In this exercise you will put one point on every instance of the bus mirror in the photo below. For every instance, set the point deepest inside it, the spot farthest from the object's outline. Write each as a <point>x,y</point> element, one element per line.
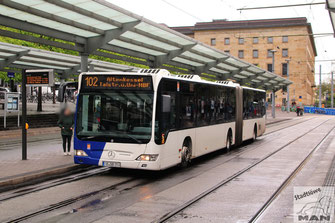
<point>166,102</point>
<point>63,87</point>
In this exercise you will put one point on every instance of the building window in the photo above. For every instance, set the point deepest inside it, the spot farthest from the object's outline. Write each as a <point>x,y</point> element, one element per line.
<point>227,51</point>
<point>285,52</point>
<point>240,41</point>
<point>226,41</point>
<point>270,39</point>
<point>270,67</point>
<point>255,40</point>
<point>213,42</point>
<point>285,39</point>
<point>269,54</point>
<point>255,53</point>
<point>284,69</point>
<point>240,54</point>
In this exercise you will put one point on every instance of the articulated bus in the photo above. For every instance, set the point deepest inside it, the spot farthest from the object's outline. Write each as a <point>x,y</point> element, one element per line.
<point>154,120</point>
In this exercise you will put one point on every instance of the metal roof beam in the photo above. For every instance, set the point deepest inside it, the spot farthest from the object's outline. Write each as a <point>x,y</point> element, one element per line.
<point>30,27</point>
<point>97,42</point>
<point>10,59</point>
<point>49,16</point>
<point>72,70</point>
<point>208,66</point>
<point>160,60</point>
<point>145,45</point>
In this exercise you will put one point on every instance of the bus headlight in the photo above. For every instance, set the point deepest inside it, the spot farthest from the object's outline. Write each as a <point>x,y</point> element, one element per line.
<point>147,157</point>
<point>80,153</point>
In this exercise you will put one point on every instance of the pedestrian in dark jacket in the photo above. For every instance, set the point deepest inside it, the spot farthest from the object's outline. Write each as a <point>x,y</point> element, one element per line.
<point>66,123</point>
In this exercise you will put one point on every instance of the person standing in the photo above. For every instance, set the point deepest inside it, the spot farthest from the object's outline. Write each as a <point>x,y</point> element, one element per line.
<point>66,123</point>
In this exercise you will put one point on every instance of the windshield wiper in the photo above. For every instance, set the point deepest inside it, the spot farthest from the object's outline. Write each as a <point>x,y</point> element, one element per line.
<point>132,137</point>
<point>91,137</point>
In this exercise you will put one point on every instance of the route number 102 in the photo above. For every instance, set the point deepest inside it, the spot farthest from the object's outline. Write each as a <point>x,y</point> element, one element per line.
<point>91,81</point>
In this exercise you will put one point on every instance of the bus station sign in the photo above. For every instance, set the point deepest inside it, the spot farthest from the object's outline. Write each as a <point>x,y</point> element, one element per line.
<point>40,78</point>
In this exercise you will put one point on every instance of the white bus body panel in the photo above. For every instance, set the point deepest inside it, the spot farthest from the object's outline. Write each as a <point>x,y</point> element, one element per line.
<point>248,127</point>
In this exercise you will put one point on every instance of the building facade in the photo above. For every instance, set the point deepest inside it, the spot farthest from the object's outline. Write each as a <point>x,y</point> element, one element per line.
<point>254,41</point>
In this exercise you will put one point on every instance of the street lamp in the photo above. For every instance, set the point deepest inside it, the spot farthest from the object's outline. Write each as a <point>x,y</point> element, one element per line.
<point>288,86</point>
<point>273,91</point>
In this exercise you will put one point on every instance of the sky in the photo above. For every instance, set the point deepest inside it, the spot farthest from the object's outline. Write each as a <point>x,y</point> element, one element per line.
<point>188,12</point>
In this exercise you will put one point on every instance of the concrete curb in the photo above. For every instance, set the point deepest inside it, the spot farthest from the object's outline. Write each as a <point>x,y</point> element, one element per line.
<point>31,178</point>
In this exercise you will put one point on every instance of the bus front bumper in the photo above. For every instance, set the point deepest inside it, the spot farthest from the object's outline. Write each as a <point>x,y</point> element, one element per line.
<point>145,165</point>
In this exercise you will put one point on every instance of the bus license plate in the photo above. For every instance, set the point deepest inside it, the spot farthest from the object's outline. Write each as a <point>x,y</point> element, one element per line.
<point>111,164</point>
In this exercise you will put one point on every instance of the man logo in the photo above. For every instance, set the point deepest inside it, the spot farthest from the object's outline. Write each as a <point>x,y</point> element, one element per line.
<point>314,204</point>
<point>111,154</point>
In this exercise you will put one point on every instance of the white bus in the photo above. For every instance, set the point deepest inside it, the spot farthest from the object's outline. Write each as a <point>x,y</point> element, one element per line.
<point>154,120</point>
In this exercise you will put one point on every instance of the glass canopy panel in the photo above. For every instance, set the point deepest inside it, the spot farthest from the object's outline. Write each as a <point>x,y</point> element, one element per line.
<point>239,76</point>
<point>273,82</point>
<point>236,62</point>
<point>226,66</point>
<point>331,3</point>
<point>102,10</point>
<point>219,70</point>
<point>39,65</point>
<point>267,74</point>
<point>163,33</point>
<point>185,61</point>
<point>255,69</point>
<point>197,57</point>
<point>134,47</point>
<point>267,84</point>
<point>109,65</point>
<point>3,54</point>
<point>54,56</point>
<point>262,78</point>
<point>10,49</point>
<point>256,81</point>
<point>147,40</point>
<point>206,50</point>
<point>246,73</point>
<point>39,60</point>
<point>26,17</point>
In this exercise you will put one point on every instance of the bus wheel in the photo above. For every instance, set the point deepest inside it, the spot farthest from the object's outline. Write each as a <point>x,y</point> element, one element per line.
<point>186,154</point>
<point>229,141</point>
<point>254,135</point>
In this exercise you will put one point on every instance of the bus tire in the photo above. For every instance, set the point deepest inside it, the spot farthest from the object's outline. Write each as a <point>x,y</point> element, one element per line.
<point>254,134</point>
<point>186,153</point>
<point>229,141</point>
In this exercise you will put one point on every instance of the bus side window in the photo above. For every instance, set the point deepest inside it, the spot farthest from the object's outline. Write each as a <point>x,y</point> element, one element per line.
<point>187,119</point>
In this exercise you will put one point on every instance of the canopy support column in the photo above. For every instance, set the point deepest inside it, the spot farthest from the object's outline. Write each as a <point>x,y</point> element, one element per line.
<point>273,104</point>
<point>83,62</point>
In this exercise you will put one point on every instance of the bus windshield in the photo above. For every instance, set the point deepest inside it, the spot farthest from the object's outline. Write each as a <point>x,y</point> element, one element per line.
<point>115,116</point>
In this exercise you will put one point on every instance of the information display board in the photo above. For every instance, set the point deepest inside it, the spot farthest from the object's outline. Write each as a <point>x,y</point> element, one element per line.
<point>40,78</point>
<point>12,105</point>
<point>12,102</point>
<point>116,82</point>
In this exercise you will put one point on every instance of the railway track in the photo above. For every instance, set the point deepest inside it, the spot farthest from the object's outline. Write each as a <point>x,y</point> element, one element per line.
<point>51,183</point>
<point>94,172</point>
<point>187,204</point>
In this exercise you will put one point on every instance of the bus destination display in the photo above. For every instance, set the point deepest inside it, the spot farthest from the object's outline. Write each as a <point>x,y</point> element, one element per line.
<point>37,78</point>
<point>126,82</point>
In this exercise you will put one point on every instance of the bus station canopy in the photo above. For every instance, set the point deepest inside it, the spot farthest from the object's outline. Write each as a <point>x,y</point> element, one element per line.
<point>20,57</point>
<point>330,5</point>
<point>100,28</point>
